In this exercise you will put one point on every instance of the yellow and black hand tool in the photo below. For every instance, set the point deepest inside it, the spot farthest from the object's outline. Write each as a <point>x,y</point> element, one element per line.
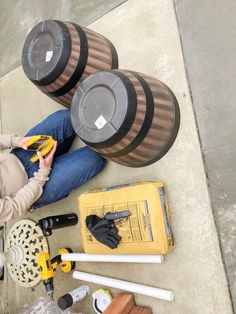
<point>46,272</point>
<point>41,143</point>
<point>48,266</point>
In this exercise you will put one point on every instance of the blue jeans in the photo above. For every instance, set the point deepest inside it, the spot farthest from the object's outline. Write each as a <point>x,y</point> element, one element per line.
<point>69,170</point>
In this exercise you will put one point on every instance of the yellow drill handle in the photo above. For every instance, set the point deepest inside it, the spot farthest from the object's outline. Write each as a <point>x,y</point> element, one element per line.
<point>45,267</point>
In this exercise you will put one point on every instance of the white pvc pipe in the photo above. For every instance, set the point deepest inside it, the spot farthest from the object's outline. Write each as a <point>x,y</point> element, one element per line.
<point>81,257</point>
<point>125,285</point>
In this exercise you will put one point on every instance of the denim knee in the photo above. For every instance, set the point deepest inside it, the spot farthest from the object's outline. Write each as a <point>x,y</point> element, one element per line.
<point>63,114</point>
<point>95,158</point>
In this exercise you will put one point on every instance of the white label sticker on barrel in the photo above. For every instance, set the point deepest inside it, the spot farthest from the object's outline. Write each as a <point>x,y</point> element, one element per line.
<point>49,55</point>
<point>100,122</point>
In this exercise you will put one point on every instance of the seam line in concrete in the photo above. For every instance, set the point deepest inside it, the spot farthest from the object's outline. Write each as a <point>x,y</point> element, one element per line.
<point>201,146</point>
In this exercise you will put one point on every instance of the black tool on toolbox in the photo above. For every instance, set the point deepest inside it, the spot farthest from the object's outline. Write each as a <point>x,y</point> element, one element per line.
<point>119,216</point>
<point>57,222</point>
<point>104,229</point>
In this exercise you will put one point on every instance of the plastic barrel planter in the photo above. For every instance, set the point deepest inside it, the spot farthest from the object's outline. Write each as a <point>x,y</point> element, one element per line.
<point>57,56</point>
<point>128,117</point>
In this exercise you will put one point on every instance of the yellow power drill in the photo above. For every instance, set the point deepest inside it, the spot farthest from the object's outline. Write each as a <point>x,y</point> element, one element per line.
<point>48,267</point>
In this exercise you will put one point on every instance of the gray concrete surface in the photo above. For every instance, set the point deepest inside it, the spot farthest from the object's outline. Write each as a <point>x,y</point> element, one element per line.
<point>147,39</point>
<point>18,17</point>
<point>208,32</point>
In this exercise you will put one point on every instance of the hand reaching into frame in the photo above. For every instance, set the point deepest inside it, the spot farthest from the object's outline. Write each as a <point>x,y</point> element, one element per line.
<point>21,143</point>
<point>47,160</point>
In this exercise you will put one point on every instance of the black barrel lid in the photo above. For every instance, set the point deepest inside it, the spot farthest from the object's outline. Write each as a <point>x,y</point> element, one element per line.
<point>46,51</point>
<point>104,108</point>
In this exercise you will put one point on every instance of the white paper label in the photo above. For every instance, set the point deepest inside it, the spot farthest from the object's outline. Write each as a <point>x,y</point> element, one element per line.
<point>49,55</point>
<point>100,122</point>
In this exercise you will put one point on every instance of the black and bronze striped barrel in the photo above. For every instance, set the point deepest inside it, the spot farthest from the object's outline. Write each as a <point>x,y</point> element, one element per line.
<point>57,56</point>
<point>128,117</point>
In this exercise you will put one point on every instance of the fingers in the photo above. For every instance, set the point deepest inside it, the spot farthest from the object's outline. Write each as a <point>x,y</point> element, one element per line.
<point>110,244</point>
<point>115,235</point>
<point>113,230</point>
<point>52,151</point>
<point>40,156</point>
<point>103,223</point>
<point>41,160</point>
<point>112,241</point>
<point>91,221</point>
<point>27,138</point>
<point>54,147</point>
<point>24,147</point>
<point>24,140</point>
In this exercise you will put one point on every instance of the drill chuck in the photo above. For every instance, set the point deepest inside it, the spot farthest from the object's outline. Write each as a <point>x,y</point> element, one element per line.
<point>49,286</point>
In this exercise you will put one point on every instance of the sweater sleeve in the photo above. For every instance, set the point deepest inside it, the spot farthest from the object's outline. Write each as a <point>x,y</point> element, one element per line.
<point>8,141</point>
<point>14,206</point>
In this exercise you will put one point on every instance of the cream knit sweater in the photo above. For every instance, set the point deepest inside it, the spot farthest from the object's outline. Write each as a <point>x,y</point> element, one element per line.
<point>17,193</point>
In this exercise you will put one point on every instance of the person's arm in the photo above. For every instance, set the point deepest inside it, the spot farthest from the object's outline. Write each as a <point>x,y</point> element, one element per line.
<point>14,206</point>
<point>8,141</point>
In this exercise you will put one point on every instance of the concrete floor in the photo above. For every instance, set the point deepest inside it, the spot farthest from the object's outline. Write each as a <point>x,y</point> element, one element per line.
<point>18,17</point>
<point>208,36</point>
<point>147,39</point>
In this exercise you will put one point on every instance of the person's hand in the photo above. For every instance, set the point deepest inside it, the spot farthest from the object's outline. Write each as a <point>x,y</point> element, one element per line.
<point>46,161</point>
<point>23,141</point>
